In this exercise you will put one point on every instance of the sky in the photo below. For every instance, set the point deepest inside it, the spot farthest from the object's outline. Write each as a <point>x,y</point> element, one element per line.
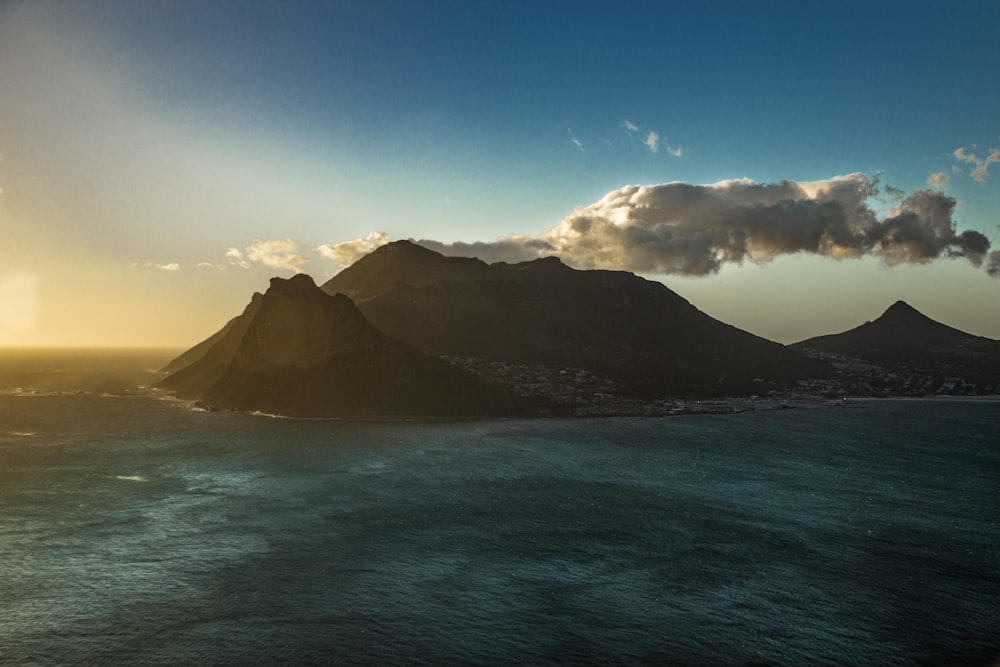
<point>790,168</point>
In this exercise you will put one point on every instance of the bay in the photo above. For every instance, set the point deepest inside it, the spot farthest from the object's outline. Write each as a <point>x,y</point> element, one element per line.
<point>135,529</point>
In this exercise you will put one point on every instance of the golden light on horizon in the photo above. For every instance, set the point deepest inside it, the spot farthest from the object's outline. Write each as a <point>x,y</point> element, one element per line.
<point>19,303</point>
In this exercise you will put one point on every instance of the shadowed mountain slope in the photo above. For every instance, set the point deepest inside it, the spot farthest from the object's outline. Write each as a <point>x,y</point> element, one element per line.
<point>917,354</point>
<point>901,332</point>
<point>298,351</point>
<point>543,312</point>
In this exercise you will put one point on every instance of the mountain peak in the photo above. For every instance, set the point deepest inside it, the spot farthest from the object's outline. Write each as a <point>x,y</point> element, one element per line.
<point>900,328</point>
<point>299,351</point>
<point>300,282</point>
<point>900,307</point>
<point>403,247</point>
<point>402,262</point>
<point>902,314</point>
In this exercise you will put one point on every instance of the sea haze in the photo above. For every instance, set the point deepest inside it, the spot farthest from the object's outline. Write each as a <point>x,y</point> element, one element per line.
<point>136,529</point>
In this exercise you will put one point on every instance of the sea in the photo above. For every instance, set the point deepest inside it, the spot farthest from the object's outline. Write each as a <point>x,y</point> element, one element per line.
<point>137,529</point>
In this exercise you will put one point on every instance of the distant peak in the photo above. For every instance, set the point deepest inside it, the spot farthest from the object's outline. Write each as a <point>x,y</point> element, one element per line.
<point>403,246</point>
<point>901,309</point>
<point>901,305</point>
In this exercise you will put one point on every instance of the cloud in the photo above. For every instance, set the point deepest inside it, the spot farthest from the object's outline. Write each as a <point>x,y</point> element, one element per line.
<point>652,139</point>
<point>236,258</point>
<point>938,180</point>
<point>348,252</point>
<point>574,139</point>
<point>652,142</point>
<point>695,229</point>
<point>978,173</point>
<point>993,264</point>
<point>677,228</point>
<point>168,266</point>
<point>276,253</point>
<point>508,249</point>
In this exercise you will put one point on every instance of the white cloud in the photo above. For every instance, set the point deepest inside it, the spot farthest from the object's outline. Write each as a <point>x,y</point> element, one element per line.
<point>652,141</point>
<point>938,180</point>
<point>167,266</point>
<point>346,253</point>
<point>982,165</point>
<point>236,258</point>
<point>277,253</point>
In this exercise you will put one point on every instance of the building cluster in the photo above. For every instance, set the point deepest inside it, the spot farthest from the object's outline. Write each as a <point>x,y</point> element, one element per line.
<point>578,392</point>
<point>859,378</point>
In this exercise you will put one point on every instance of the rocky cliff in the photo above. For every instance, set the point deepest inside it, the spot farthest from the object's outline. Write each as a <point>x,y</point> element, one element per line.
<point>296,350</point>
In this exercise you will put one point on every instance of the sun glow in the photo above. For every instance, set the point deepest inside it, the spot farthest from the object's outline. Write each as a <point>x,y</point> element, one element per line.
<point>18,302</point>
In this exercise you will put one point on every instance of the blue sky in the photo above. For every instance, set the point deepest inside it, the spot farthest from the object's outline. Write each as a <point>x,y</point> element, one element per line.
<point>170,156</point>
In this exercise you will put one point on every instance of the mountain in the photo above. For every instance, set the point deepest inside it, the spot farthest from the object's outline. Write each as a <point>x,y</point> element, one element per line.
<point>906,352</point>
<point>548,322</point>
<point>296,350</point>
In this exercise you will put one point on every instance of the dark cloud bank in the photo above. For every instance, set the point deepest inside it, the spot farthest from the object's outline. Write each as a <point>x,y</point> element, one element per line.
<point>676,228</point>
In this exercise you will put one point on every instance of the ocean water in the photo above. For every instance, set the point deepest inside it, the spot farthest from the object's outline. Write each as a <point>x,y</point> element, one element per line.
<point>137,530</point>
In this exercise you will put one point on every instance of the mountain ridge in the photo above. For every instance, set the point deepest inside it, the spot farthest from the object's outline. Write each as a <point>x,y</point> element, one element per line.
<point>543,313</point>
<point>408,331</point>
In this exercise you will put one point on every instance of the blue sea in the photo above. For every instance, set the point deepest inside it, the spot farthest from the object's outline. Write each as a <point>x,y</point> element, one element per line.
<point>136,529</point>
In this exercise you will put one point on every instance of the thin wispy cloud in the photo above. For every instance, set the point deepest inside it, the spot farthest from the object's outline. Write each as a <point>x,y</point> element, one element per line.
<point>166,266</point>
<point>236,258</point>
<point>652,142</point>
<point>651,139</point>
<point>574,140</point>
<point>275,253</point>
<point>981,165</point>
<point>938,180</point>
